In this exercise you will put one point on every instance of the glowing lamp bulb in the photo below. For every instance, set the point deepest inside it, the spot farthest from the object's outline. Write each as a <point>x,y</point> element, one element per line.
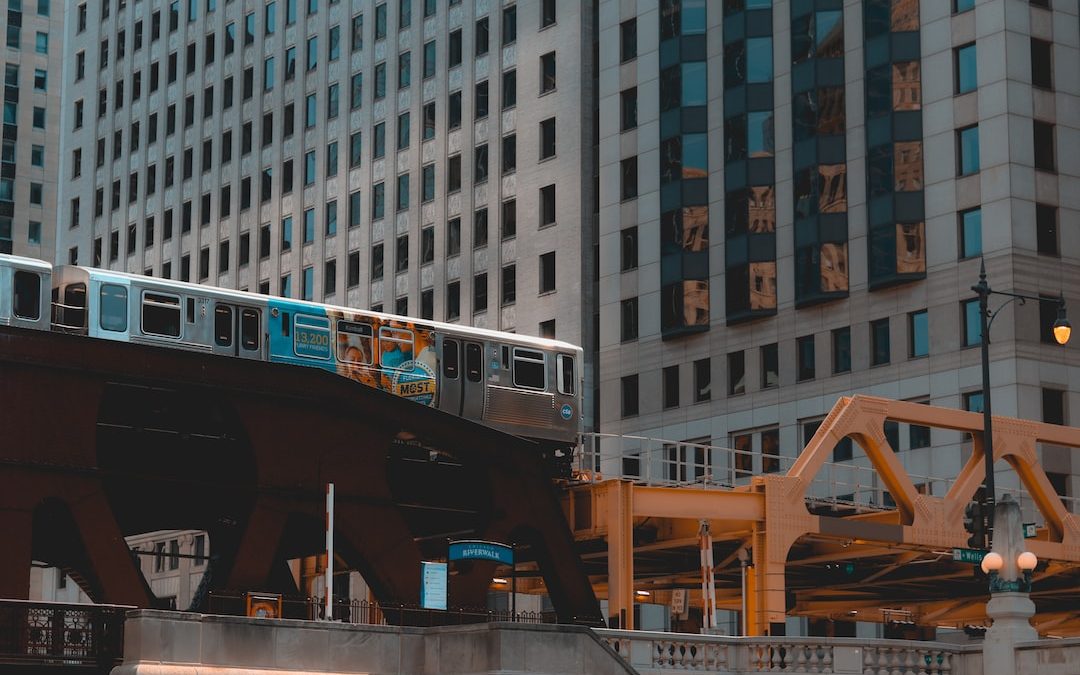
<point>1027,561</point>
<point>1062,331</point>
<point>992,562</point>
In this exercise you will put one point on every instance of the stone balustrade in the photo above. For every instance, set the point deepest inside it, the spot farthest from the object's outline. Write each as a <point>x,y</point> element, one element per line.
<point>649,652</point>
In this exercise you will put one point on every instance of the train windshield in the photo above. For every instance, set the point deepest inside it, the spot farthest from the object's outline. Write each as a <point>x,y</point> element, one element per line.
<point>27,296</point>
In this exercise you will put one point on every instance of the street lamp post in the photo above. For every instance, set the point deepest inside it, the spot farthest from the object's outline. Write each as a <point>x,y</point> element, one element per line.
<point>1062,331</point>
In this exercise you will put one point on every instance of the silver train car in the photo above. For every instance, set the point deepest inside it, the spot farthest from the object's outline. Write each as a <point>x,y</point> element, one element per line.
<point>526,386</point>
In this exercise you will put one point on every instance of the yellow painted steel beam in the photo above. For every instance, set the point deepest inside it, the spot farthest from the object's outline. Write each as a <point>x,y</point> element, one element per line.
<point>683,503</point>
<point>618,503</point>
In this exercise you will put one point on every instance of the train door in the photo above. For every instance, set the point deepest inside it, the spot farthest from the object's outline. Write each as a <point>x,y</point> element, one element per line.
<point>237,330</point>
<point>472,388</point>
<point>28,304</point>
<point>450,378</point>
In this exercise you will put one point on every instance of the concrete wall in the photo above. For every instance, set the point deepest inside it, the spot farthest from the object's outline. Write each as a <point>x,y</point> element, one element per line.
<point>1049,657</point>
<point>172,643</point>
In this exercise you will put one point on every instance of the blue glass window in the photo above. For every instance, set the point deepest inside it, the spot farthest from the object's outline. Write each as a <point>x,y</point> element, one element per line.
<point>920,333</point>
<point>695,156</point>
<point>693,17</point>
<point>759,135</point>
<point>966,69</point>
<point>970,233</point>
<point>695,88</point>
<point>309,226</point>
<point>963,5</point>
<point>968,150</point>
<point>759,64</point>
<point>972,323</point>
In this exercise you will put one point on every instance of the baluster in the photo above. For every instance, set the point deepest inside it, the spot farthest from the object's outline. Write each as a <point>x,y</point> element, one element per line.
<point>895,662</point>
<point>783,658</point>
<point>826,658</point>
<point>883,661</point>
<point>910,662</point>
<point>755,658</point>
<point>946,663</point>
<point>813,664</point>
<point>869,659</point>
<point>800,658</point>
<point>658,654</point>
<point>682,652</point>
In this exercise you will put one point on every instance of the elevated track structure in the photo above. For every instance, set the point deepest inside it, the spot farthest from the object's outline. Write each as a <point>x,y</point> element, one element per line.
<point>814,552</point>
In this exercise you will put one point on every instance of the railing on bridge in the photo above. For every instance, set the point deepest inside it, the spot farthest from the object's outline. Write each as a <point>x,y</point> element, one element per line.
<point>851,485</point>
<point>375,614</point>
<point>59,634</point>
<point>650,652</point>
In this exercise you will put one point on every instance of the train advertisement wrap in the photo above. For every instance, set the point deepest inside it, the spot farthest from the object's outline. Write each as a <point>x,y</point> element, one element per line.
<point>407,362</point>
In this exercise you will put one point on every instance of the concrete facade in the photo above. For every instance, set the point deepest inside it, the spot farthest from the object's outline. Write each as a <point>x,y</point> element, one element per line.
<point>752,410</point>
<point>34,72</point>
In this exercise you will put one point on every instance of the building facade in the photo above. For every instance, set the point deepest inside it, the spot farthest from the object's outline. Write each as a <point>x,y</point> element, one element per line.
<point>33,60</point>
<point>411,156</point>
<point>795,197</point>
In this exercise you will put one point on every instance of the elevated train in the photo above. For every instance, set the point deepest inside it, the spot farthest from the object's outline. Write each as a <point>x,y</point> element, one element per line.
<point>527,386</point>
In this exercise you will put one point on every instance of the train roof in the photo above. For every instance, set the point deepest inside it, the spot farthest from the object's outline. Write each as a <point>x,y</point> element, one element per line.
<point>33,263</point>
<point>256,297</point>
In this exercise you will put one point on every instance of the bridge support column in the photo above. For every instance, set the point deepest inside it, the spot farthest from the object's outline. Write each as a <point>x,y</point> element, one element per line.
<point>618,499</point>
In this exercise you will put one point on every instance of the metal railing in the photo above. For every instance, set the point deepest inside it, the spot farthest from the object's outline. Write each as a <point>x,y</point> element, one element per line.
<point>53,633</point>
<point>852,485</point>
<point>362,612</point>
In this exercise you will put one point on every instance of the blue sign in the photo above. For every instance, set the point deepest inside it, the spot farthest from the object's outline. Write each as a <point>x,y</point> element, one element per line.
<point>473,549</point>
<point>433,585</point>
<point>567,411</point>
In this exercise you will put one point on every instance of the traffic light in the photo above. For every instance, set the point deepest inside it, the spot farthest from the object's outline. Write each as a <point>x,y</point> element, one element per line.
<point>975,523</point>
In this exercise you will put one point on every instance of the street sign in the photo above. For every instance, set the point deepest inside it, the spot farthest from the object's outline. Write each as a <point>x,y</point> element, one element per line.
<point>433,585</point>
<point>968,555</point>
<point>1030,530</point>
<point>475,549</point>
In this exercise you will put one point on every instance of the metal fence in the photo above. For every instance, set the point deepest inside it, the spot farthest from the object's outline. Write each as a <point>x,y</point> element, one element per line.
<point>58,634</point>
<point>852,485</point>
<point>375,614</point>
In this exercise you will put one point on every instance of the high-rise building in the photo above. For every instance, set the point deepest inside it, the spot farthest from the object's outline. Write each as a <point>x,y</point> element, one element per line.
<point>794,201</point>
<point>422,157</point>
<point>33,77</point>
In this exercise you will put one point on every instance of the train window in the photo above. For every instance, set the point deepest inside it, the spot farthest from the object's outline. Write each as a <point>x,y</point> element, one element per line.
<point>249,329</point>
<point>191,310</point>
<point>474,362</point>
<point>528,368</point>
<point>27,295</point>
<point>396,347</point>
<point>75,306</point>
<point>161,314</point>
<point>450,359</point>
<point>286,325</point>
<point>114,308</point>
<point>311,336</point>
<point>223,325</point>
<point>506,358</point>
<point>564,368</point>
<point>355,342</point>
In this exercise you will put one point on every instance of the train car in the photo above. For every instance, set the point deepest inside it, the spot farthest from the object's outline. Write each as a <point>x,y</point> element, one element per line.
<point>24,300</point>
<point>526,386</point>
<point>160,312</point>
